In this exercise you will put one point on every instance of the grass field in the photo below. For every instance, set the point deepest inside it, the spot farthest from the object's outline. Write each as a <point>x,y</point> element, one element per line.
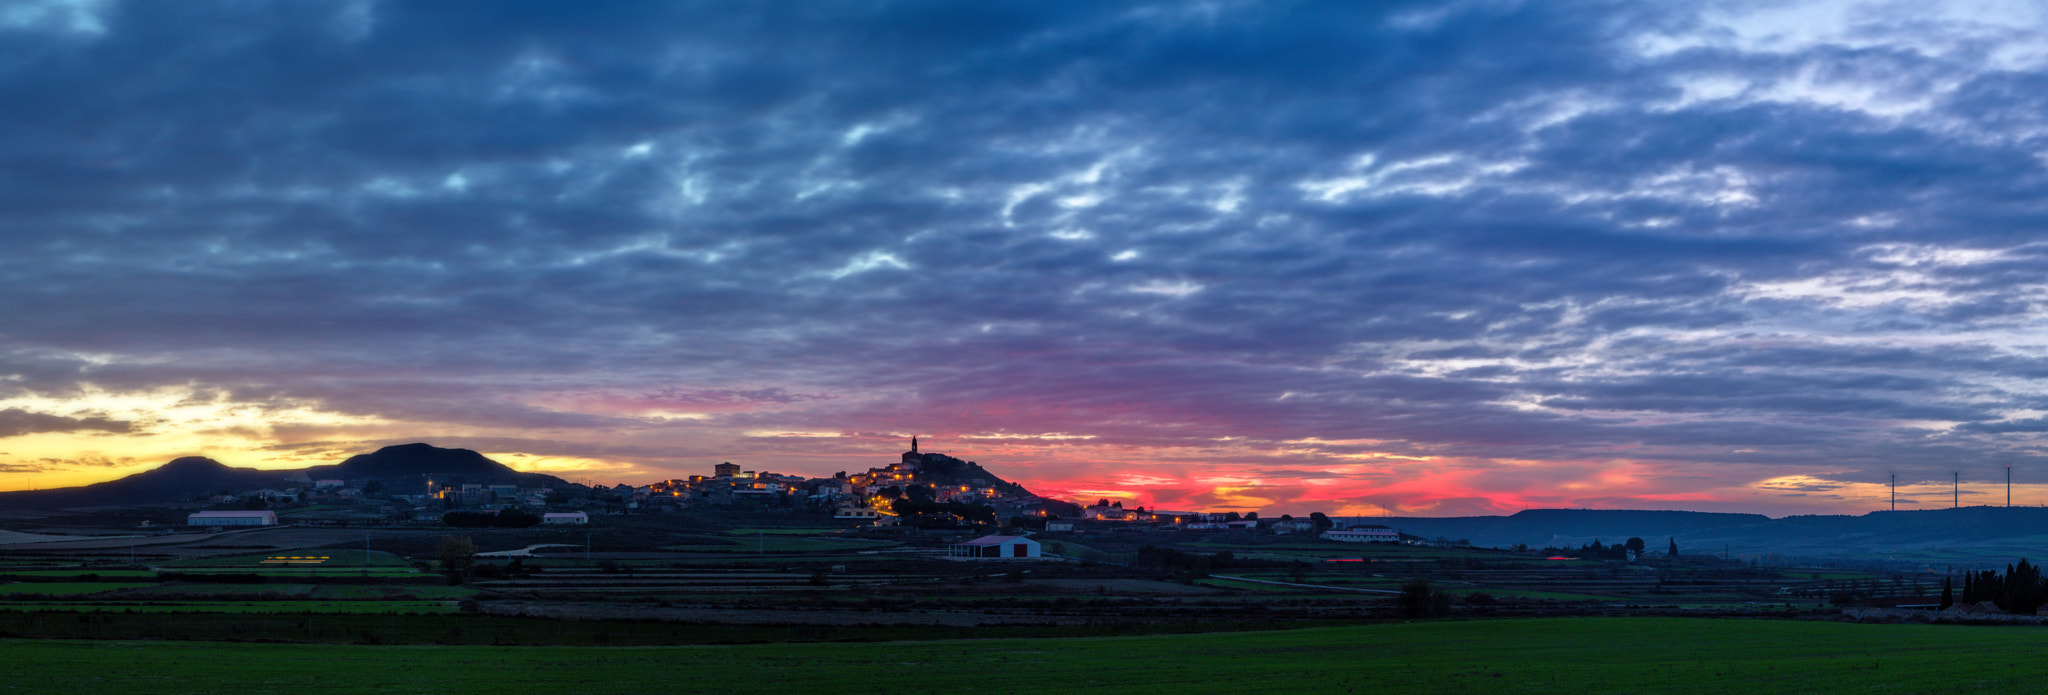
<point>267,606</point>
<point>78,573</point>
<point>57,588</point>
<point>309,559</point>
<point>1573,655</point>
<point>786,544</point>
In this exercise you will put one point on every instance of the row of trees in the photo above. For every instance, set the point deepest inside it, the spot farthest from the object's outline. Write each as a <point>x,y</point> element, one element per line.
<point>2020,589</point>
<point>1187,565</point>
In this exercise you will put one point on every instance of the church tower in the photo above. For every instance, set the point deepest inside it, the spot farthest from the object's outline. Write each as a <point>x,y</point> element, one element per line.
<point>911,458</point>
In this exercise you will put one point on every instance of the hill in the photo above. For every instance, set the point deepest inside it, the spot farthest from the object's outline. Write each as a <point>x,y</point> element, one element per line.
<point>1538,528</point>
<point>180,479</point>
<point>947,470</point>
<point>411,460</point>
<point>1965,537</point>
<point>403,468</point>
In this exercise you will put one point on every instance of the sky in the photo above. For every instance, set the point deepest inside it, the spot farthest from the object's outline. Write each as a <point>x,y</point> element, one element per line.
<point>1386,258</point>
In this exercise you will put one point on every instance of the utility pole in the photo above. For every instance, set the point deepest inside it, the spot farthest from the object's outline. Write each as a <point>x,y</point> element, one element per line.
<point>1895,492</point>
<point>1955,490</point>
<point>2008,487</point>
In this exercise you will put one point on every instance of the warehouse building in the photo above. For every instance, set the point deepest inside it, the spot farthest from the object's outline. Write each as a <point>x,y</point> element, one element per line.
<point>252,518</point>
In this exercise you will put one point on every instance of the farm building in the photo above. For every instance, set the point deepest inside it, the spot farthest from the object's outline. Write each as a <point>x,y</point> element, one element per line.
<point>1365,534</point>
<point>565,518</point>
<point>252,518</point>
<point>995,546</point>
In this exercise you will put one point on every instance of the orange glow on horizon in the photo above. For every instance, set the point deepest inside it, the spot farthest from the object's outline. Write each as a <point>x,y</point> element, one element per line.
<point>1223,475</point>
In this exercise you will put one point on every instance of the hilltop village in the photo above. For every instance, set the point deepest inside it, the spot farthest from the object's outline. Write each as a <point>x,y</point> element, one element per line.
<point>919,490</point>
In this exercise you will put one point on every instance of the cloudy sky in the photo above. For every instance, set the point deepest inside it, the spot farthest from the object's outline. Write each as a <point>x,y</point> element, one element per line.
<point>1435,258</point>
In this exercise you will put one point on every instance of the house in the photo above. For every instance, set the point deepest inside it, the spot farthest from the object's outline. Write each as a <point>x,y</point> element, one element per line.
<point>851,512</point>
<point>565,518</point>
<point>232,518</point>
<point>995,547</point>
<point>1364,534</point>
<point>1058,526</point>
<point>1291,526</point>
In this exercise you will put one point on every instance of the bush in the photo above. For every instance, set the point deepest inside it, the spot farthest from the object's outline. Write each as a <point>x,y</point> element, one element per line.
<point>1419,599</point>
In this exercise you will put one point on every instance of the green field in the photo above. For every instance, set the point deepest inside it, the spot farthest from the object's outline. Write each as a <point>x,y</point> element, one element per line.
<point>785,544</point>
<point>78,573</point>
<point>266,606</point>
<point>813,531</point>
<point>332,560</point>
<point>59,588</point>
<point>1567,655</point>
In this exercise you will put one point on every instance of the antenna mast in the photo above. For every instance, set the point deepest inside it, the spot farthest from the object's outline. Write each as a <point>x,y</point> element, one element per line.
<point>1955,489</point>
<point>1895,492</point>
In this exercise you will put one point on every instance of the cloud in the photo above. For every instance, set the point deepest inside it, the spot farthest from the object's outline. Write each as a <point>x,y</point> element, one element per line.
<point>1727,242</point>
<point>15,422</point>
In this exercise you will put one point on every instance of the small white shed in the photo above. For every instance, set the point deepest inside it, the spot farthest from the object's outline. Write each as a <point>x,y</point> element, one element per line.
<point>565,518</point>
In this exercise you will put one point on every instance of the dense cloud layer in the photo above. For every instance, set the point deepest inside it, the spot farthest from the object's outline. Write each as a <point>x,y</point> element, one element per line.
<point>1442,257</point>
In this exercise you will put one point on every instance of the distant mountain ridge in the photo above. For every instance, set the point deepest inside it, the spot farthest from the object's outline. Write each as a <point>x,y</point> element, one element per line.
<point>194,476</point>
<point>180,479</point>
<point>1964,537</point>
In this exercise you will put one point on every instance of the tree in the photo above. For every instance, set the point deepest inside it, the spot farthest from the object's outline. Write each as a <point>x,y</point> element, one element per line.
<point>1419,599</point>
<point>1251,516</point>
<point>2022,588</point>
<point>1673,552</point>
<point>1948,592</point>
<point>373,487</point>
<point>920,494</point>
<point>458,554</point>
<point>1323,523</point>
<point>1636,546</point>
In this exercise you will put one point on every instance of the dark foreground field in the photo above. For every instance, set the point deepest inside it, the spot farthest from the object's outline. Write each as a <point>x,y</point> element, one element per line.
<point>1568,655</point>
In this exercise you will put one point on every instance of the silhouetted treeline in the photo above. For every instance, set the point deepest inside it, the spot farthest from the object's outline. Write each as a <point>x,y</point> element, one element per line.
<point>1596,549</point>
<point>503,518</point>
<point>2018,590</point>
<point>1190,565</point>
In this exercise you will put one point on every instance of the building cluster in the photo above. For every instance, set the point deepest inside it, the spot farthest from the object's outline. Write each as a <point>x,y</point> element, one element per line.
<point>367,500</point>
<point>1112,515</point>
<point>922,489</point>
<point>872,495</point>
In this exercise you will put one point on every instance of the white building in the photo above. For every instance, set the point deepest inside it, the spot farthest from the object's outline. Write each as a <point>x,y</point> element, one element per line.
<point>235,518</point>
<point>995,547</point>
<point>565,518</point>
<point>1364,534</point>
